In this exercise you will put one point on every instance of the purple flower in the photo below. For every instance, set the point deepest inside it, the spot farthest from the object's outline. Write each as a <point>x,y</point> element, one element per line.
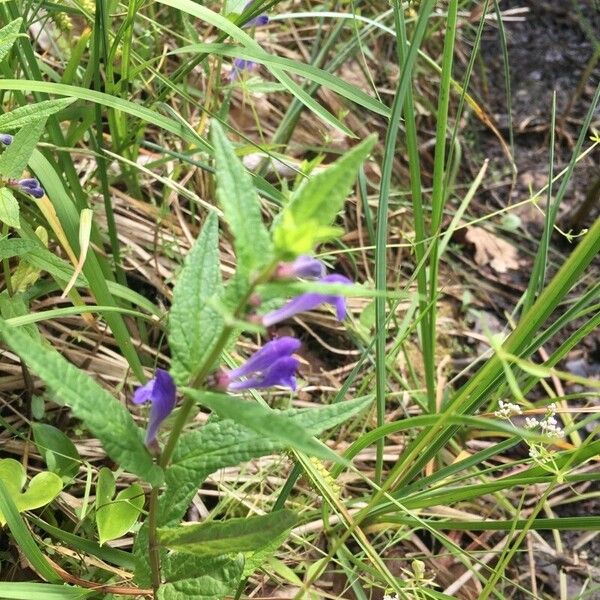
<point>309,301</point>
<point>272,365</point>
<point>257,21</point>
<point>6,139</point>
<point>241,65</point>
<point>30,186</point>
<point>162,393</point>
<point>305,267</point>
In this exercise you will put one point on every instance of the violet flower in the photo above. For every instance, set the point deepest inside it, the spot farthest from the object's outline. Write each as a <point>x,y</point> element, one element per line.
<point>272,365</point>
<point>309,301</point>
<point>241,65</point>
<point>162,393</point>
<point>305,267</point>
<point>257,21</point>
<point>6,139</point>
<point>30,186</point>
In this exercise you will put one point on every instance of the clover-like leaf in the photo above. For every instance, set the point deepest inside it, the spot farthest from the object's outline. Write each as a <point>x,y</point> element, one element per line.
<point>114,518</point>
<point>42,489</point>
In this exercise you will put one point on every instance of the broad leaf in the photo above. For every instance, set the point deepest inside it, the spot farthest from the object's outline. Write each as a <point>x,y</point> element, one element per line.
<point>25,115</point>
<point>225,443</point>
<point>15,247</point>
<point>58,451</point>
<point>120,436</point>
<point>314,205</point>
<point>190,576</point>
<point>264,421</point>
<point>194,323</point>
<point>14,159</point>
<point>42,489</point>
<point>114,518</point>
<point>233,535</point>
<point>8,35</point>
<point>9,209</point>
<point>239,201</point>
<point>15,306</point>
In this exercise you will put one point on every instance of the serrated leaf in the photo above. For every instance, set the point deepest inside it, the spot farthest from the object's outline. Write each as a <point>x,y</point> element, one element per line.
<point>224,443</point>
<point>193,322</point>
<point>58,451</point>
<point>15,247</point>
<point>8,36</point>
<point>15,306</point>
<point>238,199</point>
<point>316,202</point>
<point>264,421</point>
<point>114,518</point>
<point>9,209</point>
<point>219,577</point>
<point>105,417</point>
<point>42,489</point>
<point>24,115</point>
<point>14,159</point>
<point>232,535</point>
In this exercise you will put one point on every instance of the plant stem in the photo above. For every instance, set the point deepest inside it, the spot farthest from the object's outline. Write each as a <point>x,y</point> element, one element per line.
<point>182,418</point>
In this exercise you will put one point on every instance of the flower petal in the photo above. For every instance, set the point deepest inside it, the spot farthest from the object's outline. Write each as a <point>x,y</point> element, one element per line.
<point>266,356</point>
<point>282,372</point>
<point>309,301</point>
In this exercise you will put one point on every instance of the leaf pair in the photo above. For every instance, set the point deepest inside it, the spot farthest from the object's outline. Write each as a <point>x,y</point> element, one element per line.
<point>42,489</point>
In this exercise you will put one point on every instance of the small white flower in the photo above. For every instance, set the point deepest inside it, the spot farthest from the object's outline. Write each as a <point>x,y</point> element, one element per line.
<point>506,410</point>
<point>534,452</point>
<point>531,423</point>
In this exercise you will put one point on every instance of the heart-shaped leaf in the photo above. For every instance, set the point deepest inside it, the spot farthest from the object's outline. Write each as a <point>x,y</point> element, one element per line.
<point>114,518</point>
<point>42,489</point>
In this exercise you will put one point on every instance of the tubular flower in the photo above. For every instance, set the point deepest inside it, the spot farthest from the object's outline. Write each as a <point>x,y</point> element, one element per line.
<point>162,394</point>
<point>305,267</point>
<point>6,139</point>
<point>30,186</point>
<point>272,365</point>
<point>309,301</point>
<point>241,65</point>
<point>257,21</point>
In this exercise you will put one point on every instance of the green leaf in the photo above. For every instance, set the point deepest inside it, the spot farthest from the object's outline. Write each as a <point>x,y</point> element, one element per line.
<point>239,201</point>
<point>264,421</point>
<point>41,591</point>
<point>194,324</point>
<point>224,537</point>
<point>42,489</point>
<point>225,443</point>
<point>314,205</point>
<point>120,436</point>
<point>12,307</point>
<point>8,35</point>
<point>15,247</point>
<point>9,208</point>
<point>219,579</point>
<point>14,159</point>
<point>58,451</point>
<point>24,115</point>
<point>114,518</point>
<point>23,537</point>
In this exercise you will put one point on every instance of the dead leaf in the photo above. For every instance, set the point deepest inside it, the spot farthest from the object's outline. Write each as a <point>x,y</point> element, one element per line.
<point>492,250</point>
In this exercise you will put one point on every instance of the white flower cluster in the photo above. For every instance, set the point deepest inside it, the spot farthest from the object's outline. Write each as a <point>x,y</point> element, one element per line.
<point>394,597</point>
<point>506,410</point>
<point>548,424</point>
